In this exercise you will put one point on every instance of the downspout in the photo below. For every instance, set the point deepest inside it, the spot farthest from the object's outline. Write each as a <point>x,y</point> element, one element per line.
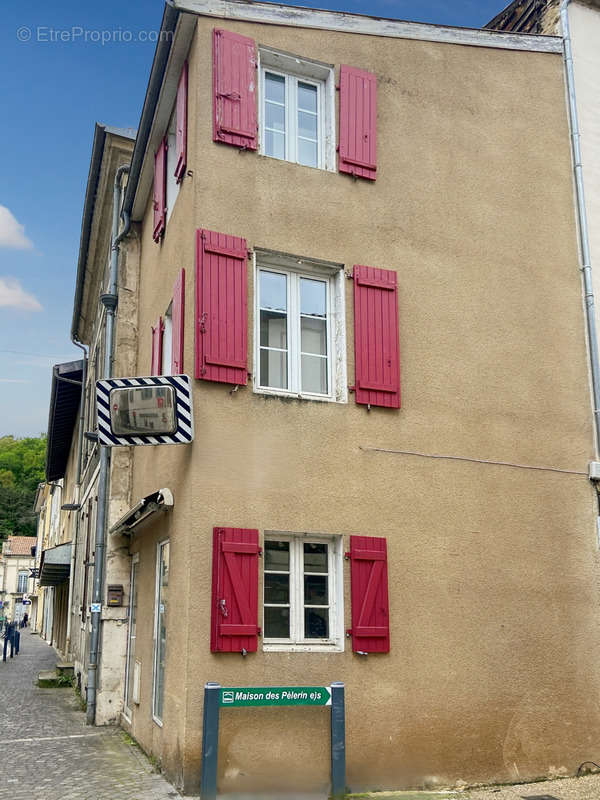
<point>584,241</point>
<point>77,489</point>
<point>109,301</point>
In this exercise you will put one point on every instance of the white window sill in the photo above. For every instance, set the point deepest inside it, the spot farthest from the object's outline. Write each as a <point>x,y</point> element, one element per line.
<point>331,169</point>
<point>302,647</point>
<point>294,395</point>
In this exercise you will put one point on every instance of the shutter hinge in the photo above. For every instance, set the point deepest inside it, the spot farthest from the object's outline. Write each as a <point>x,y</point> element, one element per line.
<point>348,555</point>
<point>351,388</point>
<point>259,631</point>
<point>260,552</point>
<point>349,275</point>
<point>250,253</point>
<point>348,633</point>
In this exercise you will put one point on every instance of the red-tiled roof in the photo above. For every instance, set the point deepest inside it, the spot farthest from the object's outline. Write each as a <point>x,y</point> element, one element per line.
<point>19,545</point>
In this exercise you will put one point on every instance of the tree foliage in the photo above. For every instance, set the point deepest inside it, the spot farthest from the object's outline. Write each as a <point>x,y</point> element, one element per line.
<point>21,469</point>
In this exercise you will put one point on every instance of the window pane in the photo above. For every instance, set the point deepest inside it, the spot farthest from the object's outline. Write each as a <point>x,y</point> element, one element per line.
<point>315,590</point>
<point>314,374</point>
<point>307,97</point>
<point>273,369</point>
<point>277,555</point>
<point>275,144</point>
<point>277,588</point>
<point>307,153</point>
<point>307,124</point>
<point>275,117</point>
<point>274,87</point>
<point>313,297</point>
<point>273,291</point>
<point>273,330</point>
<point>314,335</point>
<point>316,623</point>
<point>277,623</point>
<point>315,558</point>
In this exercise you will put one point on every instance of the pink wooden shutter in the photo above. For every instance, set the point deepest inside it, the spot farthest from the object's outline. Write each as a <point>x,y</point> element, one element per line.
<point>160,190</point>
<point>369,594</point>
<point>234,608</point>
<point>221,308</point>
<point>177,319</point>
<point>234,87</point>
<point>181,126</point>
<point>376,348</point>
<point>157,334</point>
<point>358,122</point>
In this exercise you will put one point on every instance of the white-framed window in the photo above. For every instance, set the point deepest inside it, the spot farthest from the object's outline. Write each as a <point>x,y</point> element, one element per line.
<point>297,102</point>
<point>172,185</point>
<point>160,630</point>
<point>167,341</point>
<point>303,592</point>
<point>22,581</point>
<point>300,347</point>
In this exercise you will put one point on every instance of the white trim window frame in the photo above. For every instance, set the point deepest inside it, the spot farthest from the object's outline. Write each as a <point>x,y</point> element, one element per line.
<point>157,686</point>
<point>172,189</point>
<point>286,138</point>
<point>131,637</point>
<point>295,269</point>
<point>295,573</point>
<point>167,341</point>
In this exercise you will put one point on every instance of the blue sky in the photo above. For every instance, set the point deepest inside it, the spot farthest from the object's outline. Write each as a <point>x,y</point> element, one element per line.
<point>52,94</point>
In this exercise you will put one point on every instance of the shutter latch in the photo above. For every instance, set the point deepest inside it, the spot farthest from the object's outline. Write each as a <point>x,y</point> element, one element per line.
<point>203,322</point>
<point>223,608</point>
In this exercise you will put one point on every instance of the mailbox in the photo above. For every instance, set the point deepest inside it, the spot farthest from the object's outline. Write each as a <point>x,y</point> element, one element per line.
<point>115,595</point>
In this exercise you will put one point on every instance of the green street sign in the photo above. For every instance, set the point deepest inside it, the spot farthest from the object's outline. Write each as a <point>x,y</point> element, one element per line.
<point>275,696</point>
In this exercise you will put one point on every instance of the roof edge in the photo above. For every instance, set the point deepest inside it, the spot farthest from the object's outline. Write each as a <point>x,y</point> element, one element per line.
<point>299,16</point>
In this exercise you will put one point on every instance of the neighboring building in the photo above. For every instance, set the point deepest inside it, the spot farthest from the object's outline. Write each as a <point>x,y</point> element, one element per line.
<point>543,16</point>
<point>285,276</point>
<point>16,584</point>
<point>69,553</point>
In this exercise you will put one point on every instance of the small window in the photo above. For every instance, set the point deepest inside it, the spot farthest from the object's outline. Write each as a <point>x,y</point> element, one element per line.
<point>22,581</point>
<point>302,593</point>
<point>300,336</point>
<point>296,110</point>
<point>172,185</point>
<point>167,341</point>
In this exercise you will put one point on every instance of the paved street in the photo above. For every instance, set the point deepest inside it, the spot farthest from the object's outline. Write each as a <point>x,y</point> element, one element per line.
<point>49,753</point>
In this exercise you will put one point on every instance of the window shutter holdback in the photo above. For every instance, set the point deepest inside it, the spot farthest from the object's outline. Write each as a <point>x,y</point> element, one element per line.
<point>234,606</point>
<point>157,341</point>
<point>376,345</point>
<point>221,308</point>
<point>234,90</point>
<point>369,593</point>
<point>358,122</point>
<point>181,124</point>
<point>178,319</point>
<point>160,190</point>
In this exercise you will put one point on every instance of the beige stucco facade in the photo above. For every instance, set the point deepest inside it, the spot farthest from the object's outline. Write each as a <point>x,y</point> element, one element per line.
<point>479,483</point>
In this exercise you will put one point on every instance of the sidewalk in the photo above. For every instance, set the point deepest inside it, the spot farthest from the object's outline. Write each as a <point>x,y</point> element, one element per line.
<point>47,750</point>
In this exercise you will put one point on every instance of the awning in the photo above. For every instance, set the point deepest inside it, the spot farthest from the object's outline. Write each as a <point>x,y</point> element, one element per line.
<point>64,405</point>
<point>162,500</point>
<point>55,565</point>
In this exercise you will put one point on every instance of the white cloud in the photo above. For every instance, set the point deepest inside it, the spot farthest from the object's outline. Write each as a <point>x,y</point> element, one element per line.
<point>12,233</point>
<point>13,295</point>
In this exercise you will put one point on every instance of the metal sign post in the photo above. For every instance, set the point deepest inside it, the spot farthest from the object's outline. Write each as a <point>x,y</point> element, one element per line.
<point>216,697</point>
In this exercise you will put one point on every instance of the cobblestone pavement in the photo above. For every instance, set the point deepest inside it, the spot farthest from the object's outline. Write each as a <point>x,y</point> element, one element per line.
<point>47,750</point>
